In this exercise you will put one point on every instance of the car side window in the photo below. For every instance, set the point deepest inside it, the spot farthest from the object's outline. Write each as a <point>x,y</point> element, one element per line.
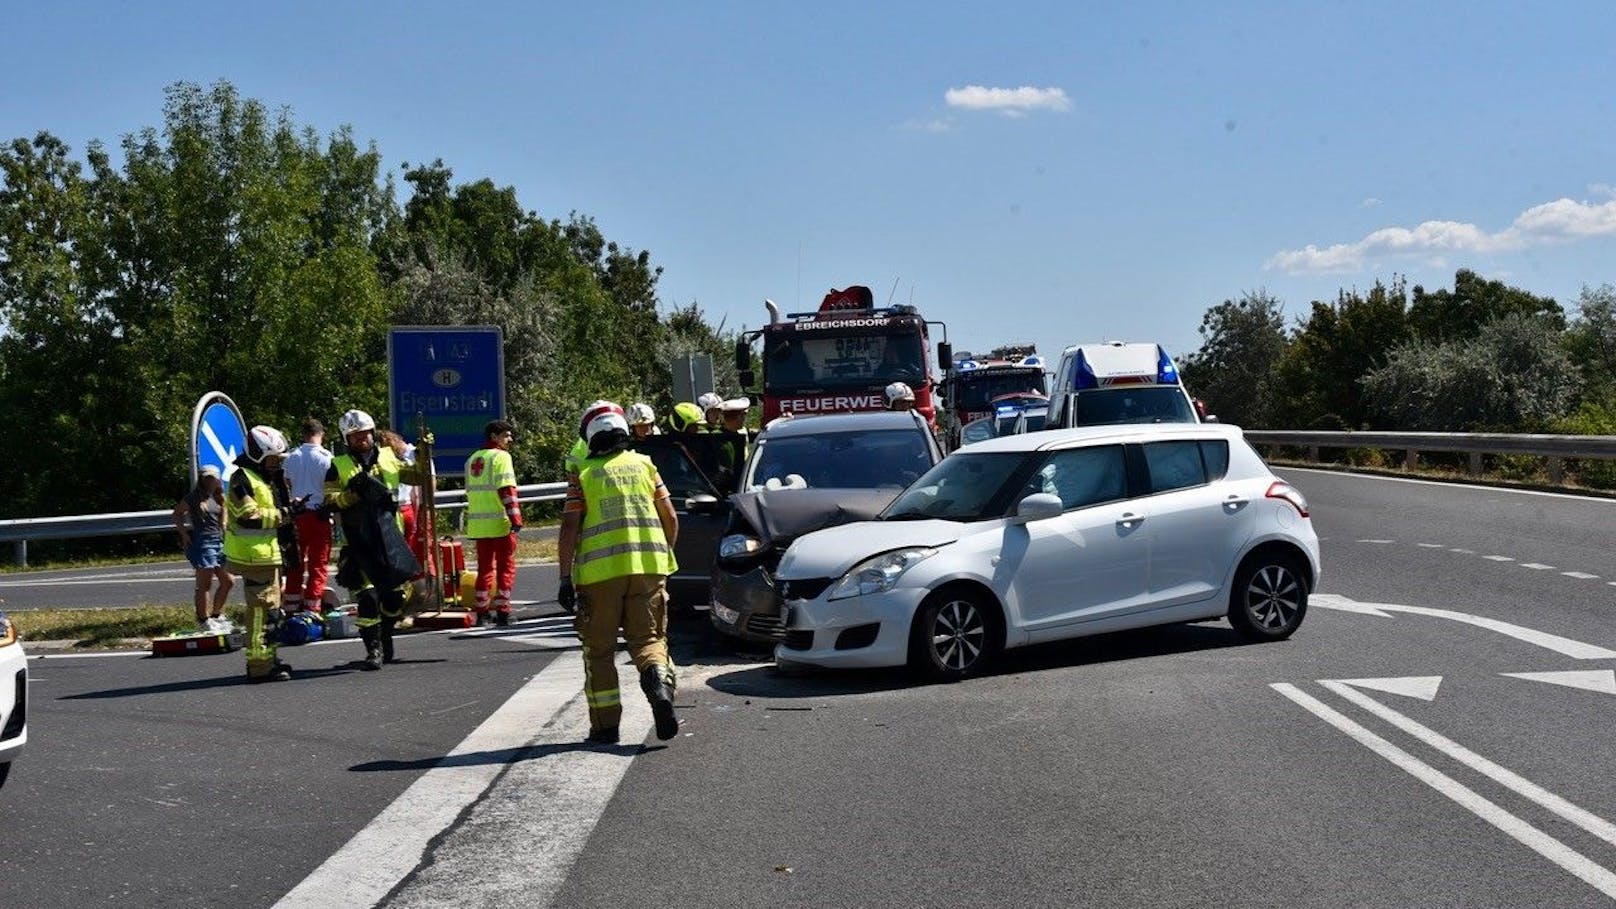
<point>1175,465</point>
<point>1215,454</point>
<point>1084,476</point>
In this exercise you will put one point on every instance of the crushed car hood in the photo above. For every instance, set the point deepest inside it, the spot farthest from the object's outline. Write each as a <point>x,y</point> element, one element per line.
<point>781,515</point>
<point>831,553</point>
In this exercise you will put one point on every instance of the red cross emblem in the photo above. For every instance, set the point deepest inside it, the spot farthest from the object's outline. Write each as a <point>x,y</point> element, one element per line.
<point>477,467</point>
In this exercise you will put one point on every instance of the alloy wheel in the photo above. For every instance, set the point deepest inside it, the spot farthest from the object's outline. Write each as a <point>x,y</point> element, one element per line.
<point>959,635</point>
<point>1274,597</point>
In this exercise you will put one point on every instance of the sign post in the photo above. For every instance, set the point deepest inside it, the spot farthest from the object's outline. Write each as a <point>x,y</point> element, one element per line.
<point>218,435</point>
<point>453,377</point>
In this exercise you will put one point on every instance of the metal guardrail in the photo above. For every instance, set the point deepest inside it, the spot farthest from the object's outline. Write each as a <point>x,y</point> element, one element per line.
<point>1553,448</point>
<point>19,531</point>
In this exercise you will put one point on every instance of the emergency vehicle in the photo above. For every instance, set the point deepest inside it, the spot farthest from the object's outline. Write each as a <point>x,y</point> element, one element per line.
<point>841,357</point>
<point>978,384</point>
<point>1116,382</point>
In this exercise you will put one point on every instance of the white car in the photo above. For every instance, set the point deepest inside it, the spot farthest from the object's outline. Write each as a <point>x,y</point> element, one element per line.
<point>13,696</point>
<point>1044,536</point>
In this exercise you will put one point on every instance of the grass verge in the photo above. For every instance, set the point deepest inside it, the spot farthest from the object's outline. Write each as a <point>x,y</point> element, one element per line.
<point>100,629</point>
<point>526,551</point>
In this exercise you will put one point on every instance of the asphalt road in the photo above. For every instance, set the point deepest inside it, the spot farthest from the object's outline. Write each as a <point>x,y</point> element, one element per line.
<point>1464,764</point>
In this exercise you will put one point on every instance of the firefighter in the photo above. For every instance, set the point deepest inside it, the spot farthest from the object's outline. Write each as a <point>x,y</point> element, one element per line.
<point>380,605</point>
<point>712,410</point>
<point>493,519</point>
<point>642,421</point>
<point>900,397</point>
<point>252,548</point>
<point>686,418</point>
<point>618,530</point>
<point>580,449</point>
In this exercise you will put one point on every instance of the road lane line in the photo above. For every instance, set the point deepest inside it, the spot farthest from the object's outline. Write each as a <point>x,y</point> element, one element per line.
<point>1432,545</point>
<point>1381,542</point>
<point>1577,864</point>
<point>1462,551</point>
<point>392,845</point>
<point>1537,566</point>
<point>1498,558</point>
<point>119,582</point>
<point>1581,575</point>
<point>1516,783</point>
<point>1504,489</point>
<point>1577,650</point>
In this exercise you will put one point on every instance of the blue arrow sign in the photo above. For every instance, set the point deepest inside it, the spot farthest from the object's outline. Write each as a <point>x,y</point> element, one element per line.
<point>217,435</point>
<point>452,376</point>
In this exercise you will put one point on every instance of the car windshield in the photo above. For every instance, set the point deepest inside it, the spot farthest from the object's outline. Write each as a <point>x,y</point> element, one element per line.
<point>975,391</point>
<point>1035,420</point>
<point>977,431</point>
<point>963,487</point>
<point>820,360</point>
<point>1134,404</point>
<point>842,460</point>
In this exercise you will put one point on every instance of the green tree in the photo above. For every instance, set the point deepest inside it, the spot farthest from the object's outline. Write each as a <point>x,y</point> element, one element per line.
<point>1591,342</point>
<point>1241,343</point>
<point>1316,381</point>
<point>1449,315</point>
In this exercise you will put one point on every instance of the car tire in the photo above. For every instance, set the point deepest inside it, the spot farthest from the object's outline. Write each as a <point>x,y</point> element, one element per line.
<point>5,771</point>
<point>955,635</point>
<point>1269,598</point>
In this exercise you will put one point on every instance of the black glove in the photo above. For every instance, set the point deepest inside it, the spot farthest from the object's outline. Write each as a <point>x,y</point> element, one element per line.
<point>356,482</point>
<point>567,597</point>
<point>299,506</point>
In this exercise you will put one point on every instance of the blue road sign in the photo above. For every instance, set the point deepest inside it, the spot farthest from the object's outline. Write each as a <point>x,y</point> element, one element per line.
<point>217,435</point>
<point>455,378</point>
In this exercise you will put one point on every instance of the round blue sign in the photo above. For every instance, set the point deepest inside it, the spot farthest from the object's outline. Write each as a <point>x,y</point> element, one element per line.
<point>220,437</point>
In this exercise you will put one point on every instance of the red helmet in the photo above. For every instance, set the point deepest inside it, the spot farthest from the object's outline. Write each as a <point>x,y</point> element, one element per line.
<point>594,410</point>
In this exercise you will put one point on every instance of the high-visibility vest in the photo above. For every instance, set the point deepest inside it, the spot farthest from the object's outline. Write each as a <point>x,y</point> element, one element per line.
<point>252,545</point>
<point>487,471</point>
<point>621,533</point>
<point>385,469</point>
<point>575,457</point>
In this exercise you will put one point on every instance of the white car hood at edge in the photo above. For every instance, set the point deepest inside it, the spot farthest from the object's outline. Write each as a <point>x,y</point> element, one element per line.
<point>831,552</point>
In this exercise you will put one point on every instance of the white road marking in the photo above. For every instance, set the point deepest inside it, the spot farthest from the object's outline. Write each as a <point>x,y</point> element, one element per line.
<point>1423,687</point>
<point>1564,646</point>
<point>1462,551</point>
<point>1377,541</point>
<point>1502,489</point>
<point>111,582</point>
<point>393,845</point>
<point>1537,566</point>
<point>1432,545</point>
<point>87,656</point>
<point>1601,680</point>
<point>1510,780</point>
<point>1498,558</point>
<point>1581,575</point>
<point>1579,865</point>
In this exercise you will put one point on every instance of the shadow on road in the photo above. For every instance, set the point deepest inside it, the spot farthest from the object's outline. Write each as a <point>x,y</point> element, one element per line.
<point>773,681</point>
<point>228,681</point>
<point>501,756</point>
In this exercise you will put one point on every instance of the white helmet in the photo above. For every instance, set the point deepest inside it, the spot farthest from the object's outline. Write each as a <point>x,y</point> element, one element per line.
<point>604,422</point>
<point>265,442</point>
<point>591,412</point>
<point>355,421</point>
<point>709,400</point>
<point>640,414</point>
<point>899,391</point>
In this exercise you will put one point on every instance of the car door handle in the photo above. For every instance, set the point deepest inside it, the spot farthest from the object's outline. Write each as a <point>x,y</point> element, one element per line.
<point>1236,500</point>
<point>1129,519</point>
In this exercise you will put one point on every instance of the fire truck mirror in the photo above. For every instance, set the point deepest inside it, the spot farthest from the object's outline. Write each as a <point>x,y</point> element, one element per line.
<point>748,379</point>
<point>945,355</point>
<point>743,358</point>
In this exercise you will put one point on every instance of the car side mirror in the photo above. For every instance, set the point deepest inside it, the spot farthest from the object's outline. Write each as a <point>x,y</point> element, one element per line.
<point>702,503</point>
<point>1210,418</point>
<point>1037,507</point>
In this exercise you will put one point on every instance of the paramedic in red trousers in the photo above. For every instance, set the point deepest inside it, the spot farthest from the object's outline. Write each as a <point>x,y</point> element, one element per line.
<point>493,519</point>
<point>379,609</point>
<point>252,550</point>
<point>618,528</point>
<point>305,470</point>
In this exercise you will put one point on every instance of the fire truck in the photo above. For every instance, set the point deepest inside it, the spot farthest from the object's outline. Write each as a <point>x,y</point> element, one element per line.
<point>978,384</point>
<point>841,357</point>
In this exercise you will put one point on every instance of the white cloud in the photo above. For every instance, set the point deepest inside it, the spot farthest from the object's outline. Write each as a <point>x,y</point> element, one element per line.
<point>1370,202</point>
<point>1560,221</point>
<point>934,125</point>
<point>1602,189</point>
<point>1012,102</point>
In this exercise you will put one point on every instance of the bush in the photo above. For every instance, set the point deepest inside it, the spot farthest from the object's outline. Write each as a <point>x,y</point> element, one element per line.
<point>1592,419</point>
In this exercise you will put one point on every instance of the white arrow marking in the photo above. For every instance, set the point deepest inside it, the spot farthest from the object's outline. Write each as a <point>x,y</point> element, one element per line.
<point>1601,680</point>
<point>1415,686</point>
<point>225,455</point>
<point>1563,646</point>
<point>1579,865</point>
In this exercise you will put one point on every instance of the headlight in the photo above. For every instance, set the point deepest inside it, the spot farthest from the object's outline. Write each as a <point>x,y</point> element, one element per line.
<point>879,573</point>
<point>737,546</point>
<point>8,631</point>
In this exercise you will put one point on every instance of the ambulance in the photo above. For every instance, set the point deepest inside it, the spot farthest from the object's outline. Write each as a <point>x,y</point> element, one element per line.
<point>1117,382</point>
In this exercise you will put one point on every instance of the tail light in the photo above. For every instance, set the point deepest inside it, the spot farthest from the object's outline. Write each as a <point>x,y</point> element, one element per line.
<point>1279,489</point>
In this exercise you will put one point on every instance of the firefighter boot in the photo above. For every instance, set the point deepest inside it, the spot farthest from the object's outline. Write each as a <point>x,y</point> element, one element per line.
<point>387,640</point>
<point>372,636</point>
<point>657,690</point>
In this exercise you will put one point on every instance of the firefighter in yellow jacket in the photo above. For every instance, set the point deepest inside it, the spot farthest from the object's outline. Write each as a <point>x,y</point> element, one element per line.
<point>380,606</point>
<point>618,528</point>
<point>252,550</point>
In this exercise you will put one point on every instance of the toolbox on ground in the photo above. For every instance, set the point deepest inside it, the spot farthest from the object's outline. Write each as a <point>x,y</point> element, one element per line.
<point>196,644</point>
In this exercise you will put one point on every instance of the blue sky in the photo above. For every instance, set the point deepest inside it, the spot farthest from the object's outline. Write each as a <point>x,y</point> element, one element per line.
<point>1162,157</point>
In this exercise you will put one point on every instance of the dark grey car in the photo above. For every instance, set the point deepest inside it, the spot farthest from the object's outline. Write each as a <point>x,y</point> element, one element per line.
<point>803,475</point>
<point>699,527</point>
